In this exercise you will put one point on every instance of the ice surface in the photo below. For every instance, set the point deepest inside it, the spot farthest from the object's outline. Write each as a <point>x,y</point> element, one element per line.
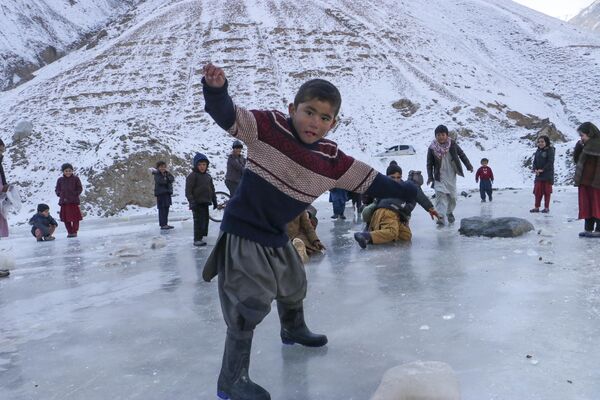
<point>79,321</point>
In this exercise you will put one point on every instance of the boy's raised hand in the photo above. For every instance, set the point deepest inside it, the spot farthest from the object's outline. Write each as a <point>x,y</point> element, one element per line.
<point>214,76</point>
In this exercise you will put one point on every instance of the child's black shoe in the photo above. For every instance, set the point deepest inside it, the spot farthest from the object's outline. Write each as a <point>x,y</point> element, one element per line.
<point>362,238</point>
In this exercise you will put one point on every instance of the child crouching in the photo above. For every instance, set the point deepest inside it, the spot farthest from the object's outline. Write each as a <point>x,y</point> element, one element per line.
<point>388,218</point>
<point>42,224</point>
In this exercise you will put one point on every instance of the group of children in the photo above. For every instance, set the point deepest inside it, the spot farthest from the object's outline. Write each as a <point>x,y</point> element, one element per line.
<point>199,191</point>
<point>290,165</point>
<point>267,230</point>
<point>68,189</point>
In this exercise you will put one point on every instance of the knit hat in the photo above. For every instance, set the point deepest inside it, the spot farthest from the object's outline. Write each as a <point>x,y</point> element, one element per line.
<point>42,207</point>
<point>199,157</point>
<point>237,145</point>
<point>66,166</point>
<point>393,168</point>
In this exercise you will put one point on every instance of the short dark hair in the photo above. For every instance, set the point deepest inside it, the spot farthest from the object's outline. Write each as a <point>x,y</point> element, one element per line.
<point>441,129</point>
<point>589,129</point>
<point>66,166</point>
<point>484,160</point>
<point>160,164</point>
<point>42,207</point>
<point>319,89</point>
<point>546,139</point>
<point>2,143</point>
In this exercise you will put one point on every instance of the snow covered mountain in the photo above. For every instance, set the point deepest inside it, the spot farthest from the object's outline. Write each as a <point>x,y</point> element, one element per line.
<point>37,32</point>
<point>495,72</point>
<point>589,17</point>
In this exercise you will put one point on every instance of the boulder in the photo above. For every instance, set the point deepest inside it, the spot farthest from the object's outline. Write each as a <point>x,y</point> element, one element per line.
<point>406,107</point>
<point>421,380</point>
<point>494,227</point>
<point>23,129</point>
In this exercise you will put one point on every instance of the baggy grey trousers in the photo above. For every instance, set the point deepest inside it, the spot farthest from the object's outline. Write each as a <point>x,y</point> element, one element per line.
<point>251,276</point>
<point>445,204</point>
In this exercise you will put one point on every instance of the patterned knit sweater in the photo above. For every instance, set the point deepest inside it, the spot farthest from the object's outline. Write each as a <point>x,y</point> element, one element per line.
<point>283,175</point>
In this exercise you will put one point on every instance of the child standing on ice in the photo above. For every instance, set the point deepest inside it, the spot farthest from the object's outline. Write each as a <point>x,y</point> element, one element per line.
<point>485,177</point>
<point>338,199</point>
<point>543,167</point>
<point>587,178</point>
<point>443,164</point>
<point>290,165</point>
<point>200,193</point>
<point>68,189</point>
<point>163,190</point>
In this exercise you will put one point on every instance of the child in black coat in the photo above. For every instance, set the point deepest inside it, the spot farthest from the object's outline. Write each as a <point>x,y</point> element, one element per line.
<point>163,190</point>
<point>200,192</point>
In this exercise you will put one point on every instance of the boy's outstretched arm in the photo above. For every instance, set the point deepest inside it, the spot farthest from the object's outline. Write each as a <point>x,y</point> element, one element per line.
<point>383,187</point>
<point>217,101</point>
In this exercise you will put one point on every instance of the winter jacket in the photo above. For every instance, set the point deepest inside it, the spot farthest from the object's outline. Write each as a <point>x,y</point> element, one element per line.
<point>302,228</point>
<point>68,190</point>
<point>163,183</point>
<point>41,222</point>
<point>544,159</point>
<point>484,173</point>
<point>587,159</point>
<point>235,167</point>
<point>403,208</point>
<point>199,189</point>
<point>284,175</point>
<point>434,164</point>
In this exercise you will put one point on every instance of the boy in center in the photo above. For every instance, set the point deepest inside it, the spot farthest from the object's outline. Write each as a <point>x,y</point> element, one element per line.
<point>289,165</point>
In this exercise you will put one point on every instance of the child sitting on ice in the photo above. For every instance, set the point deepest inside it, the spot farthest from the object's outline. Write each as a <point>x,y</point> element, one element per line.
<point>388,219</point>
<point>304,237</point>
<point>42,224</point>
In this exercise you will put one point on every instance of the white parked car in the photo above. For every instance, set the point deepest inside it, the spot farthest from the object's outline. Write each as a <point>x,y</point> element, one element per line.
<point>398,150</point>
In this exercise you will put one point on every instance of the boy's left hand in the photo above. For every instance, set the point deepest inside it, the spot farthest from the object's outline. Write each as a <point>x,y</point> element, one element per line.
<point>214,76</point>
<point>433,213</point>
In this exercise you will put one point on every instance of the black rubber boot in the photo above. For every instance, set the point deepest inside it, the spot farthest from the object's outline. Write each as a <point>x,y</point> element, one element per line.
<point>294,329</point>
<point>234,382</point>
<point>362,238</point>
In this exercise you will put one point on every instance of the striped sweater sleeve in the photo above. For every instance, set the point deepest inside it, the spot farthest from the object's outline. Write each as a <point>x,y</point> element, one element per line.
<point>362,178</point>
<point>237,121</point>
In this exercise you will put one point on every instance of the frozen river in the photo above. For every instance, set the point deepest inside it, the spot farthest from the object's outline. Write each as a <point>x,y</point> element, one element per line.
<point>104,316</point>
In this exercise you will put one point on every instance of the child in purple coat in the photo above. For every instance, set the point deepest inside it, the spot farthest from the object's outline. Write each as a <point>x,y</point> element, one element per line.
<point>68,189</point>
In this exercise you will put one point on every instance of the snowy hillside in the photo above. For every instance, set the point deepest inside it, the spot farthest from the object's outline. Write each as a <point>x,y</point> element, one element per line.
<point>589,17</point>
<point>37,32</point>
<point>490,69</point>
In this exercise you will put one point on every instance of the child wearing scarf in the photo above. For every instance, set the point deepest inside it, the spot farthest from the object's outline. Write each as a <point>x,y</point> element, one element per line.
<point>443,164</point>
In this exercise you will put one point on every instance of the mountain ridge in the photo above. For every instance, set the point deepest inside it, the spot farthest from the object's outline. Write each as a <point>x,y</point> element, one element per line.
<point>493,71</point>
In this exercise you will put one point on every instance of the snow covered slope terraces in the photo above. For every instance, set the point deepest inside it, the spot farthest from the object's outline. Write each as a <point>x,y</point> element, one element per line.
<point>37,32</point>
<point>493,71</point>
